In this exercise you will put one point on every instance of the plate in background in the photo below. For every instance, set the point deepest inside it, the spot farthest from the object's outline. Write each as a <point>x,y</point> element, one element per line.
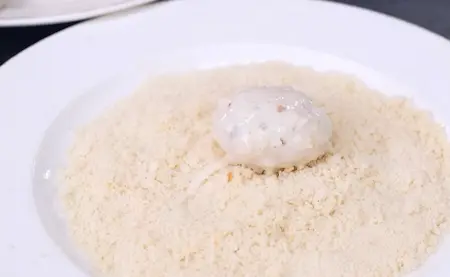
<point>37,12</point>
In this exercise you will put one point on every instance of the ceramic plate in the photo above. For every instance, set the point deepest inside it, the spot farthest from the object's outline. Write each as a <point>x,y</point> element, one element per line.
<point>64,80</point>
<point>35,12</point>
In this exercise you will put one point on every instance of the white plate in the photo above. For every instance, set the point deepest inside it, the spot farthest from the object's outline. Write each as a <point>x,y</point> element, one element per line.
<point>35,12</point>
<point>106,58</point>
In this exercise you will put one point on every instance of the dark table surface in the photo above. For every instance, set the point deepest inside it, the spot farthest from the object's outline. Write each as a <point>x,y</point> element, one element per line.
<point>431,14</point>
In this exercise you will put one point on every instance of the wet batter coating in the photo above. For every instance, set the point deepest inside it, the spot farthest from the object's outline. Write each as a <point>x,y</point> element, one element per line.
<point>271,128</point>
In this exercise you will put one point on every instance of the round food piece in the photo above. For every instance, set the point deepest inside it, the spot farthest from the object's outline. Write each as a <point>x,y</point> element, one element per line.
<point>271,128</point>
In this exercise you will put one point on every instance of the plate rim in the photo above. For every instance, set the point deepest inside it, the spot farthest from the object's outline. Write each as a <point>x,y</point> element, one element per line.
<point>72,17</point>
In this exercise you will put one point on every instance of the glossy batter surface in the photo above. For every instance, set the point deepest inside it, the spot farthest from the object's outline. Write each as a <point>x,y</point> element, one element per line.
<point>271,127</point>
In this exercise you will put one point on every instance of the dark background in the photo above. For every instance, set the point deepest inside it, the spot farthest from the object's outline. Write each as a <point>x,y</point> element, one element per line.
<point>431,14</point>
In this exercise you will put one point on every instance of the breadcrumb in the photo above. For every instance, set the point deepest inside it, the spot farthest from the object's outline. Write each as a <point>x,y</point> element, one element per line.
<point>377,205</point>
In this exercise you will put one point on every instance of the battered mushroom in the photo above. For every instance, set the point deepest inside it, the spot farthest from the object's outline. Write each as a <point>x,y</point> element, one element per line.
<point>271,128</point>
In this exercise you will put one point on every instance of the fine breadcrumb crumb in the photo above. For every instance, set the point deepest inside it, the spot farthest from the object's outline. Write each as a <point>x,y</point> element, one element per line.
<point>230,176</point>
<point>281,108</point>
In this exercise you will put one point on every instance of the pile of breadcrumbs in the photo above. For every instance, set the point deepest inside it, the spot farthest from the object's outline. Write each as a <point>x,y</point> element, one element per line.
<point>376,206</point>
